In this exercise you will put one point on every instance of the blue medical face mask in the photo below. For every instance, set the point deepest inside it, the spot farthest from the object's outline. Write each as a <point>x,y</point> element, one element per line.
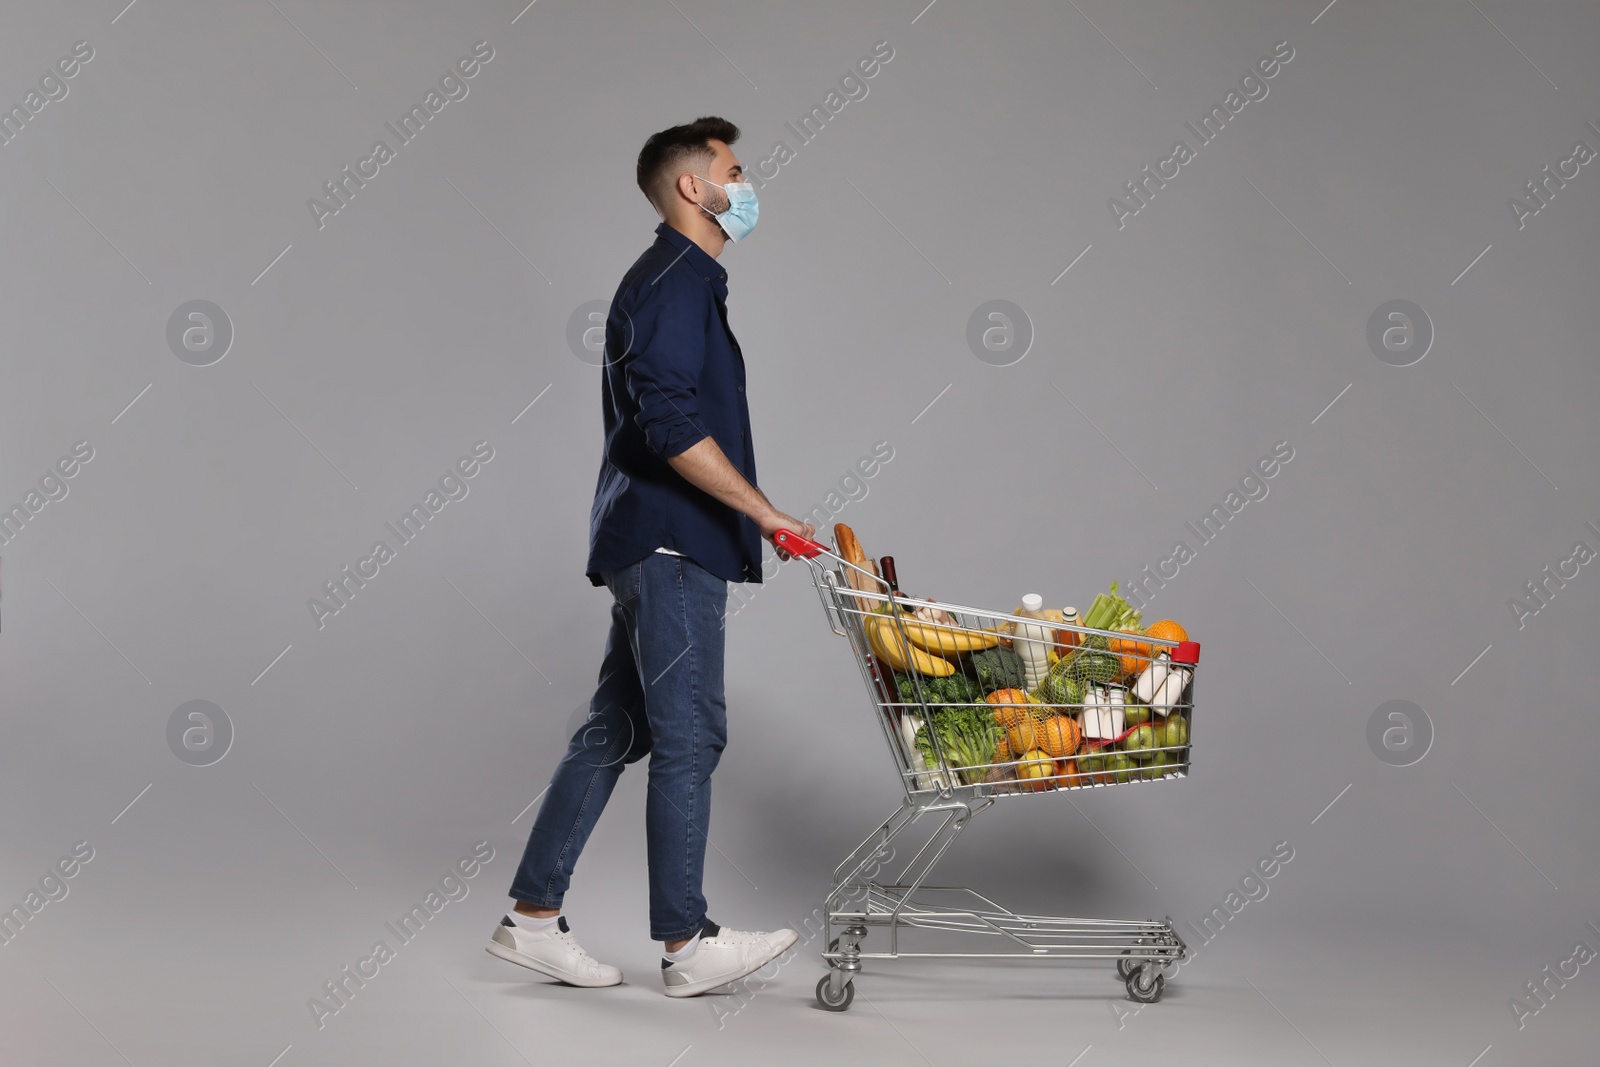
<point>740,217</point>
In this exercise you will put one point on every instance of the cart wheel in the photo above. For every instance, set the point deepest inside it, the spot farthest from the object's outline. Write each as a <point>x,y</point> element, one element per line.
<point>1146,983</point>
<point>833,946</point>
<point>1126,965</point>
<point>826,998</point>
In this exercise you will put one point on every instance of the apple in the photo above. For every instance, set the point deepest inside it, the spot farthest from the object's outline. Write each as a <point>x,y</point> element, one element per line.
<point>1033,768</point>
<point>1119,767</point>
<point>1139,743</point>
<point>1176,732</point>
<point>1158,766</point>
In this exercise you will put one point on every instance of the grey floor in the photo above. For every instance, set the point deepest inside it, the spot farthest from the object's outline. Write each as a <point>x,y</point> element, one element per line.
<point>212,989</point>
<point>159,970</point>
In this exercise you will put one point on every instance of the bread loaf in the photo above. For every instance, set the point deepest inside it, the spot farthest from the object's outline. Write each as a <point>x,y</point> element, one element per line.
<point>849,549</point>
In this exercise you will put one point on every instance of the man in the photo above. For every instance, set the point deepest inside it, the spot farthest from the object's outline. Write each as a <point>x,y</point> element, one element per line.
<point>676,516</point>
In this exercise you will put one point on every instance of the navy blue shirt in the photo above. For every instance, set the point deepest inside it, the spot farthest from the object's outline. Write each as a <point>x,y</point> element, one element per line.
<point>674,375</point>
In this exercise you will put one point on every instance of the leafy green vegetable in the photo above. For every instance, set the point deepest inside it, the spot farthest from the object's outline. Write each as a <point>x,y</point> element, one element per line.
<point>997,668</point>
<point>968,736</point>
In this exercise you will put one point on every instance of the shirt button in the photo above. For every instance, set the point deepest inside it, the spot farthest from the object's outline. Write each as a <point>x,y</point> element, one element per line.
<point>741,388</point>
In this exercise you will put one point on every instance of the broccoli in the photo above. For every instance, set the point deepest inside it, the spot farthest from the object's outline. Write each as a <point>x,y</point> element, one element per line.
<point>953,689</point>
<point>997,668</point>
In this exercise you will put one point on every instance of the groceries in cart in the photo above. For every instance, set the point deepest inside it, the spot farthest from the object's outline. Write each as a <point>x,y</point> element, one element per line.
<point>976,705</point>
<point>1031,700</point>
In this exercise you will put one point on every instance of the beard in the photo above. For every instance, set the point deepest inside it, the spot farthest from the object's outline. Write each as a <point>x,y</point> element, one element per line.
<point>718,203</point>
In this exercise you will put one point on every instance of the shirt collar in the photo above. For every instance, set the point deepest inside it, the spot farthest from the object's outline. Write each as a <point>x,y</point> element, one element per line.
<point>696,258</point>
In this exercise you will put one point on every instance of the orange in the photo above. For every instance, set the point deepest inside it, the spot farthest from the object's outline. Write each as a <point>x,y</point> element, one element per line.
<point>1068,770</point>
<point>1026,734</point>
<point>1167,630</point>
<point>1011,707</point>
<point>1135,653</point>
<point>1059,736</point>
<point>1010,716</point>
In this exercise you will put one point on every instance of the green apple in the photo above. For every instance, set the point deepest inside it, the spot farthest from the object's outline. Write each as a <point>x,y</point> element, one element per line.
<point>1158,765</point>
<point>1139,743</point>
<point>1135,714</point>
<point>1176,732</point>
<point>1120,766</point>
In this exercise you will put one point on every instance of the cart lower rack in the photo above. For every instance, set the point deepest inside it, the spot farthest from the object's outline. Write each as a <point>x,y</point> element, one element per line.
<point>1090,708</point>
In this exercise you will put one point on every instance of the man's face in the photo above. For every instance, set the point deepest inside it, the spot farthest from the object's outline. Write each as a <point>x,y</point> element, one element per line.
<point>724,169</point>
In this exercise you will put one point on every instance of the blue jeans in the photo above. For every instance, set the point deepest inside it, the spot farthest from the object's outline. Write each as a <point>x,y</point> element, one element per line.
<point>660,692</point>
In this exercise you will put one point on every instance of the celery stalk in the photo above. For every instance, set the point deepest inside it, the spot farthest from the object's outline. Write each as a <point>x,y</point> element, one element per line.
<point>1111,612</point>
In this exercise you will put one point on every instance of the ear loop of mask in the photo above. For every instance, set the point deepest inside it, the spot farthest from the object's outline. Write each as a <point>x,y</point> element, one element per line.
<point>708,181</point>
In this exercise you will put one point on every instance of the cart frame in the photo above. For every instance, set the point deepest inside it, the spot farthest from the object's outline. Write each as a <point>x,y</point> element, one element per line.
<point>858,900</point>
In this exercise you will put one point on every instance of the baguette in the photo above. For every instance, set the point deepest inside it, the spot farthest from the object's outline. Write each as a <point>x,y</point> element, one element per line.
<point>849,547</point>
<point>850,551</point>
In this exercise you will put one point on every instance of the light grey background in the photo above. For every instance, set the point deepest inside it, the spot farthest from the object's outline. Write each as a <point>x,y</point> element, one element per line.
<point>1177,350</point>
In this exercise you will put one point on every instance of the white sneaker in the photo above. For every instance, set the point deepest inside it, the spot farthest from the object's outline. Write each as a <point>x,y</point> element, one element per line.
<point>553,952</point>
<point>722,956</point>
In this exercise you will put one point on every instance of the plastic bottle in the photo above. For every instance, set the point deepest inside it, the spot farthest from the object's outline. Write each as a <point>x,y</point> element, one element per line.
<point>1149,682</point>
<point>1067,640</point>
<point>1104,712</point>
<point>1032,643</point>
<point>1171,691</point>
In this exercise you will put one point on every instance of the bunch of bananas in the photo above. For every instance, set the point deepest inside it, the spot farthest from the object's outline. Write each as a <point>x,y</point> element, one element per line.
<point>924,646</point>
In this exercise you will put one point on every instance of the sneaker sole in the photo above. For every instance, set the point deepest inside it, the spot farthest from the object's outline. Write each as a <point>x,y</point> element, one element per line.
<point>510,955</point>
<point>705,984</point>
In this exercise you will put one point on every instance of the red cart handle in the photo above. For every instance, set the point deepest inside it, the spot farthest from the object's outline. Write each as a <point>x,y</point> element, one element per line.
<point>796,545</point>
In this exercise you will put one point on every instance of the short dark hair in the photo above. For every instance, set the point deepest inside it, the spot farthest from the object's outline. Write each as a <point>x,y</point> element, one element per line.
<point>663,156</point>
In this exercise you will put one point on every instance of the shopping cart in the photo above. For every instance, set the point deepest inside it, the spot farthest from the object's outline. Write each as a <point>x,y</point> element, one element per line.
<point>1111,708</point>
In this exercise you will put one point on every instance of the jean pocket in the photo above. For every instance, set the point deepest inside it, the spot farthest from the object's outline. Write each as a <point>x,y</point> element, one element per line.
<point>705,584</point>
<point>624,582</point>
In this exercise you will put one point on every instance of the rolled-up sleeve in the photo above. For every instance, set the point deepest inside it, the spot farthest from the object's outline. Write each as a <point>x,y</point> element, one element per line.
<point>666,355</point>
